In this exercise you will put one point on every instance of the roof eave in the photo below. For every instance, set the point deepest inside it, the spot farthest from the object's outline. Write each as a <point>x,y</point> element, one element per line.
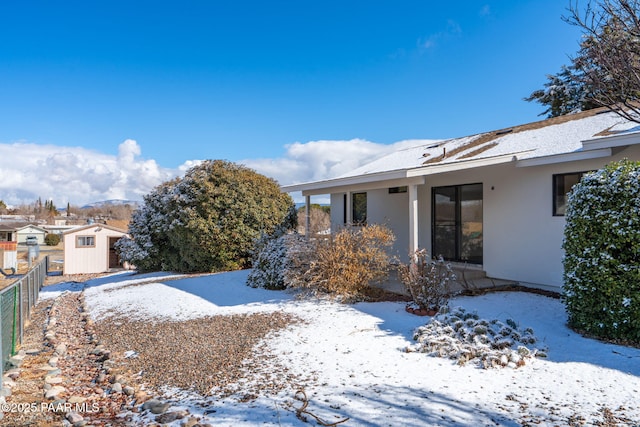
<point>565,157</point>
<point>610,141</point>
<point>342,182</point>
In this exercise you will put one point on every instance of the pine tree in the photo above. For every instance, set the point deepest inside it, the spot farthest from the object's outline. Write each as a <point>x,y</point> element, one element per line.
<point>606,70</point>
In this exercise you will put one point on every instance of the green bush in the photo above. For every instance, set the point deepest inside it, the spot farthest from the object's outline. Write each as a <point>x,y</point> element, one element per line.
<point>206,221</point>
<point>51,239</point>
<point>602,248</point>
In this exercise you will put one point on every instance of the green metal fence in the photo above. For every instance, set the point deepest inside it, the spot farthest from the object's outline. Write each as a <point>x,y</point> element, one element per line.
<point>16,302</point>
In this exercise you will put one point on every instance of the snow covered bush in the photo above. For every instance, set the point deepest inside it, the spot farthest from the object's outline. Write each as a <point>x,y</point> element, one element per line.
<point>206,221</point>
<point>269,263</point>
<point>428,280</point>
<point>465,337</point>
<point>602,247</point>
<point>345,264</point>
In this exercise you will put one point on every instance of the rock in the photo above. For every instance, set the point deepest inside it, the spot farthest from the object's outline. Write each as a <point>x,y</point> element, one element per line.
<point>61,349</point>
<point>155,406</point>
<point>190,422</point>
<point>76,399</point>
<point>170,417</point>
<point>141,396</point>
<point>52,379</point>
<point>53,372</point>
<point>74,417</point>
<point>117,379</point>
<point>53,361</point>
<point>128,390</point>
<point>53,392</point>
<point>32,351</point>
<point>47,386</point>
<point>16,361</point>
<point>12,373</point>
<point>116,388</point>
<point>98,350</point>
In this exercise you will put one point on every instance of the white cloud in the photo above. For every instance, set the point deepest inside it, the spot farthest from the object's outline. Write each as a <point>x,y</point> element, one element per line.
<point>75,175</point>
<point>318,160</point>
<point>79,176</point>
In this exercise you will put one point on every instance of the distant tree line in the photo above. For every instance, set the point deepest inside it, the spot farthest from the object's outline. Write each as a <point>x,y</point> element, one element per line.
<point>47,210</point>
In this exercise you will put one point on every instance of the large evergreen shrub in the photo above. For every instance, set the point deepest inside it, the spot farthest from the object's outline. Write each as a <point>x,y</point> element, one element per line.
<point>602,252</point>
<point>206,221</point>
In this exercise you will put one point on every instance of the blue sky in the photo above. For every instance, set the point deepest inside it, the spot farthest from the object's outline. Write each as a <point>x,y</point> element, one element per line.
<point>247,80</point>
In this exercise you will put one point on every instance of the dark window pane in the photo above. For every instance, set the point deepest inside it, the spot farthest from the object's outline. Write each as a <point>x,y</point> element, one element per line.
<point>562,185</point>
<point>457,222</point>
<point>359,201</point>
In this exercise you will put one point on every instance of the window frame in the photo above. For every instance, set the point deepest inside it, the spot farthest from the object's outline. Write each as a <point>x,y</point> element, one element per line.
<point>555,186</point>
<point>86,236</point>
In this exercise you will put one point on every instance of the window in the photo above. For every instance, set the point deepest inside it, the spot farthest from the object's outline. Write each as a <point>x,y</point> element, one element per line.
<point>85,241</point>
<point>457,223</point>
<point>562,184</point>
<point>359,208</point>
<point>397,190</point>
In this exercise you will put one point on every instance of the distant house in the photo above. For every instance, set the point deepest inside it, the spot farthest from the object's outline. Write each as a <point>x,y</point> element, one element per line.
<point>31,230</point>
<point>17,231</point>
<point>494,202</point>
<point>90,249</point>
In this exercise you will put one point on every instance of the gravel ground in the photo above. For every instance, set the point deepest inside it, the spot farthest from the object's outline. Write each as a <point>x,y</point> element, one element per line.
<point>211,355</point>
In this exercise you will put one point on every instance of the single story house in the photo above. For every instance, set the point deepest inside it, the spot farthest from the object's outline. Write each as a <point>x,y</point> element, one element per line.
<point>31,230</point>
<point>17,231</point>
<point>91,249</point>
<point>495,201</point>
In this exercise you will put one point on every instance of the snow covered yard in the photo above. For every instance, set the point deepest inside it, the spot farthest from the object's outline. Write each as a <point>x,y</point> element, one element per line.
<point>352,360</point>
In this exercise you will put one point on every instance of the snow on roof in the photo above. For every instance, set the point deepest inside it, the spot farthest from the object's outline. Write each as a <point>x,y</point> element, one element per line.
<point>549,137</point>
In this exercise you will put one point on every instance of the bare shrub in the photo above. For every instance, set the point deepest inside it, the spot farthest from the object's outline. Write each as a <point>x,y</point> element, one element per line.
<point>428,280</point>
<point>345,264</point>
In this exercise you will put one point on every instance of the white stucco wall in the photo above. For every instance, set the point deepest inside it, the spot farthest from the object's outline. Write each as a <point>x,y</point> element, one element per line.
<point>522,238</point>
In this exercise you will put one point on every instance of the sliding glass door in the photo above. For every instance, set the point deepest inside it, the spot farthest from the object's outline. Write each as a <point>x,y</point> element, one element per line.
<point>457,222</point>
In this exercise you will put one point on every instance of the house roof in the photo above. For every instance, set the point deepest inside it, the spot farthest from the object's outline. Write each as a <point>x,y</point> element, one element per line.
<point>94,226</point>
<point>16,225</point>
<point>33,226</point>
<point>588,134</point>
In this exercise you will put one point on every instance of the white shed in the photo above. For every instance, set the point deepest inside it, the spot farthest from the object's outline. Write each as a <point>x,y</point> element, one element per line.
<point>91,249</point>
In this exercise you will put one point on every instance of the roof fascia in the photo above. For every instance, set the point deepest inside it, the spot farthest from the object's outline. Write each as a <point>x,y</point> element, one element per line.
<point>565,158</point>
<point>322,186</point>
<point>463,164</point>
<point>618,140</point>
<point>366,186</point>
